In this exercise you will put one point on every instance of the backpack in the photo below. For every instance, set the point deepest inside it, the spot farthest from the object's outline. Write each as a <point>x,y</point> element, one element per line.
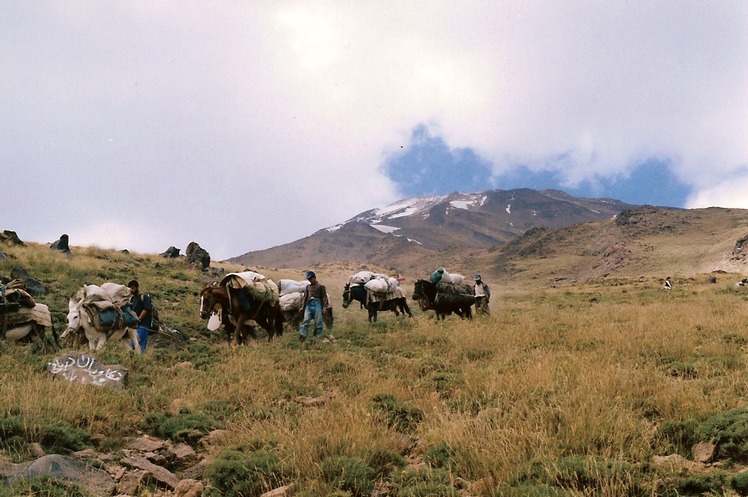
<point>155,319</point>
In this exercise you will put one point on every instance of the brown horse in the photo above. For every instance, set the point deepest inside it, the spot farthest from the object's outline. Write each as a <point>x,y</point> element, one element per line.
<point>239,311</point>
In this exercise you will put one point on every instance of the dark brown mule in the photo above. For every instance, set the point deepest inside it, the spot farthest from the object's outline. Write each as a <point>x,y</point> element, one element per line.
<point>241,308</point>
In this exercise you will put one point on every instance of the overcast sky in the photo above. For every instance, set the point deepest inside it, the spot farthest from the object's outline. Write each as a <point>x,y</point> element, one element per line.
<point>245,125</point>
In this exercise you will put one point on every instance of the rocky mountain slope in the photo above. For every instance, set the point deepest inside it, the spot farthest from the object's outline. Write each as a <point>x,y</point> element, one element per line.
<point>417,233</point>
<point>639,242</point>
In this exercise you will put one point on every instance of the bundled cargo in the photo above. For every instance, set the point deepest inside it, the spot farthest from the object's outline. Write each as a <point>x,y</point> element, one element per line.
<point>290,301</point>
<point>14,296</point>
<point>255,284</point>
<point>286,286</point>
<point>382,284</point>
<point>442,275</point>
<point>454,294</point>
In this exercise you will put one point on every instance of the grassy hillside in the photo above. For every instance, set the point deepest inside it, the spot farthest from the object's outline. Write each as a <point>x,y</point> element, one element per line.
<point>602,388</point>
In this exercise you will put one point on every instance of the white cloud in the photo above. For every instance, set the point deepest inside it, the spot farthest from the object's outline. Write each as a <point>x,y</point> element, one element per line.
<point>246,125</point>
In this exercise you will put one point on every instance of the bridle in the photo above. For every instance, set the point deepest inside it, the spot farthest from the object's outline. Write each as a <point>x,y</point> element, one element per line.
<point>205,311</point>
<point>347,296</point>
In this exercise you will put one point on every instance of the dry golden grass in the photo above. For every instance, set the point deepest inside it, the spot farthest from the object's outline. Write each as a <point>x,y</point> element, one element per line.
<point>588,371</point>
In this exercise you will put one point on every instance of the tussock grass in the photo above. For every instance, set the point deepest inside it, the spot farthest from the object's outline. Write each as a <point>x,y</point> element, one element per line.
<point>562,391</point>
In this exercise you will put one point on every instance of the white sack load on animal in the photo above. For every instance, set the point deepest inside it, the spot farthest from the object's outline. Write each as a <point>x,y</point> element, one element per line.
<point>362,277</point>
<point>290,301</point>
<point>255,284</point>
<point>377,285</point>
<point>291,286</point>
<point>453,278</point>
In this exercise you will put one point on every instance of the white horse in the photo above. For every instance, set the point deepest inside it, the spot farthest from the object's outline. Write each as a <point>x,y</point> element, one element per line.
<point>79,318</point>
<point>34,329</point>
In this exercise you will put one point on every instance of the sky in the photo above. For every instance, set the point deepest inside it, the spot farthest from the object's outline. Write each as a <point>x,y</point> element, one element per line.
<point>246,125</point>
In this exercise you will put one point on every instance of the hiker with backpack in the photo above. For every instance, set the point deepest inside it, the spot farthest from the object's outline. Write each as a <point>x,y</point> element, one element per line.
<point>143,308</point>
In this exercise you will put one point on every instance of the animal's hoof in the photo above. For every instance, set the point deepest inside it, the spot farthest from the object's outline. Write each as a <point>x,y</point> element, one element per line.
<point>302,338</point>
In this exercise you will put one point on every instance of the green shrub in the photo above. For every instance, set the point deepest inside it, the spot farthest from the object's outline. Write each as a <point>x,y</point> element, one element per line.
<point>440,455</point>
<point>580,473</point>
<point>702,484</point>
<point>349,473</point>
<point>396,415</point>
<point>236,473</point>
<point>386,461</point>
<point>682,435</point>
<point>55,438</point>
<point>42,487</point>
<point>61,437</point>
<point>729,432</point>
<point>187,427</point>
<point>424,482</point>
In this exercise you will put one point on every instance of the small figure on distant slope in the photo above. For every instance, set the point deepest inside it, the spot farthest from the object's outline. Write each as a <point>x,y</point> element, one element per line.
<point>668,284</point>
<point>482,297</point>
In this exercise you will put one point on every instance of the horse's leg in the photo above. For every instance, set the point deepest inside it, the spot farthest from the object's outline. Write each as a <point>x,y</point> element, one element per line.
<point>135,344</point>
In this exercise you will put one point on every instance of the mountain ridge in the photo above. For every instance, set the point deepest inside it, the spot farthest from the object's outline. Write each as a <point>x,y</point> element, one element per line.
<point>415,233</point>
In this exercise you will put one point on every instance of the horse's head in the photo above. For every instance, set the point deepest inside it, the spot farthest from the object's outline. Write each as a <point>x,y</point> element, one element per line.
<point>73,318</point>
<point>210,296</point>
<point>207,302</point>
<point>424,290</point>
<point>347,298</point>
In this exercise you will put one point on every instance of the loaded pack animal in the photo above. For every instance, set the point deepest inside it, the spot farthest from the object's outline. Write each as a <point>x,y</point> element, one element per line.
<point>30,326</point>
<point>24,320</point>
<point>359,293</point>
<point>100,320</point>
<point>444,298</point>
<point>240,311</point>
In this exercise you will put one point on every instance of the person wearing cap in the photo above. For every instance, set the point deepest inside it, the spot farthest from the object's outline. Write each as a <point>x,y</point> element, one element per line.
<point>482,296</point>
<point>313,302</point>
<point>142,306</point>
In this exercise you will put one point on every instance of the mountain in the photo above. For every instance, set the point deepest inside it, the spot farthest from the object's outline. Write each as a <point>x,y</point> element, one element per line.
<point>637,243</point>
<point>418,234</point>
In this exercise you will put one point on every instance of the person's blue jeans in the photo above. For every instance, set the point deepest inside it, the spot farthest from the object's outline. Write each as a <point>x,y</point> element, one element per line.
<point>312,313</point>
<point>143,338</point>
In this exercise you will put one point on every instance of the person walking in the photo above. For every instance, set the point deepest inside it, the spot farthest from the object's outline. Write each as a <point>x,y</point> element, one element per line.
<point>143,308</point>
<point>313,302</point>
<point>482,297</point>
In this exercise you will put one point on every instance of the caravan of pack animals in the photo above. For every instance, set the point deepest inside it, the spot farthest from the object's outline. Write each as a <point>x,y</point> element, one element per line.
<point>241,302</point>
<point>553,375</point>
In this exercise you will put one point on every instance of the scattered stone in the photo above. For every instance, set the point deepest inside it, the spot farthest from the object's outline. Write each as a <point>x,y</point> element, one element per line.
<point>674,461</point>
<point>130,482</point>
<point>36,450</point>
<point>33,286</point>
<point>310,401</point>
<point>61,244</point>
<point>9,237</point>
<point>80,367</point>
<point>703,452</point>
<point>159,473</point>
<point>279,492</point>
<point>68,469</point>
<point>171,252</point>
<point>188,488</point>
<point>145,444</point>
<point>198,256</point>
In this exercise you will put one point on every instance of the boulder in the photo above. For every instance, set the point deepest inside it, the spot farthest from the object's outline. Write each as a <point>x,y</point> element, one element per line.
<point>198,255</point>
<point>67,469</point>
<point>61,244</point>
<point>171,252</point>
<point>33,286</point>
<point>83,368</point>
<point>11,238</point>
